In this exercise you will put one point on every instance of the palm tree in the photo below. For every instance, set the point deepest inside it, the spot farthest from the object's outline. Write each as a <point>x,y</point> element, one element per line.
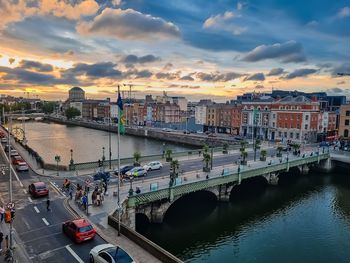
<point>168,153</point>
<point>244,157</point>
<point>295,147</point>
<point>256,147</point>
<point>137,157</point>
<point>225,148</point>
<point>243,146</point>
<point>279,151</point>
<point>206,160</point>
<point>174,167</point>
<point>263,155</point>
<point>205,148</point>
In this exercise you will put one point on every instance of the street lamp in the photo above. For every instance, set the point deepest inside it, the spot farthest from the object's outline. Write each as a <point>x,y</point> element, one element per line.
<point>57,159</point>
<point>103,154</point>
<point>71,157</point>
<point>131,191</point>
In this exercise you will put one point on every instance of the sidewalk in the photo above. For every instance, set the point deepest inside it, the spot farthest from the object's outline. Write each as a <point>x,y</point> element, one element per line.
<point>110,235</point>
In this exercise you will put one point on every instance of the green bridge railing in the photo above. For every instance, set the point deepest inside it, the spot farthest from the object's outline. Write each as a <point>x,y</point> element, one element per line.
<point>231,176</point>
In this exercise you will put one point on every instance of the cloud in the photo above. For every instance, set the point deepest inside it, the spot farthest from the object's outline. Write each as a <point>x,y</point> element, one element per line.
<point>287,52</point>
<point>217,76</point>
<point>275,72</point>
<point>341,82</point>
<point>15,11</point>
<point>168,76</point>
<point>97,70</point>
<point>28,77</point>
<point>259,86</point>
<point>129,24</point>
<point>188,77</point>
<point>344,12</point>
<point>300,73</point>
<point>136,74</point>
<point>337,90</point>
<point>11,60</point>
<point>35,65</point>
<point>133,59</point>
<point>224,22</point>
<point>255,76</point>
<point>341,69</point>
<point>168,66</point>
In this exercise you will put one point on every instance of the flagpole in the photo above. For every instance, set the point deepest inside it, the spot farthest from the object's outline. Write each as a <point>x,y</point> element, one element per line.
<point>119,210</point>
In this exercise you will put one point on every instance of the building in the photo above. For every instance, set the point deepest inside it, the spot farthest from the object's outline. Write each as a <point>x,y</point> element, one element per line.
<point>76,94</point>
<point>223,118</point>
<point>77,105</point>
<point>96,109</point>
<point>181,101</point>
<point>295,119</point>
<point>168,113</point>
<point>344,121</point>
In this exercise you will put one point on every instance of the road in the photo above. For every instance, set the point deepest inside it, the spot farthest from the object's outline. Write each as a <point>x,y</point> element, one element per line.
<point>40,231</point>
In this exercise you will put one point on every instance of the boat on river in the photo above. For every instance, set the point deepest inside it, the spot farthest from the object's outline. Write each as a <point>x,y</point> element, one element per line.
<point>38,118</point>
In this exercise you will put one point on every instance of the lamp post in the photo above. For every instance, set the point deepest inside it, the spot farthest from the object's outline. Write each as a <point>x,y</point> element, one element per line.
<point>71,157</point>
<point>163,150</point>
<point>109,141</point>
<point>57,159</point>
<point>103,154</point>
<point>131,191</point>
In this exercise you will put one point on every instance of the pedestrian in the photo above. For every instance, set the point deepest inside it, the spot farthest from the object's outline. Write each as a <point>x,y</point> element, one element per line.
<point>1,239</point>
<point>2,212</point>
<point>71,193</point>
<point>48,204</point>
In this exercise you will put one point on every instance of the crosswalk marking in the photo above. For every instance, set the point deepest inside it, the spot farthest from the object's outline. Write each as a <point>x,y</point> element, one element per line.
<point>36,209</point>
<point>45,221</point>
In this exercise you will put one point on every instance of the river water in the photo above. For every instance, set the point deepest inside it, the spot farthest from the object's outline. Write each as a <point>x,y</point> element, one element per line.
<point>304,219</point>
<point>50,139</point>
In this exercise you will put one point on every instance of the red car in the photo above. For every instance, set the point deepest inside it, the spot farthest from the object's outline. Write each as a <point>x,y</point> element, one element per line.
<point>17,159</point>
<point>38,189</point>
<point>79,230</point>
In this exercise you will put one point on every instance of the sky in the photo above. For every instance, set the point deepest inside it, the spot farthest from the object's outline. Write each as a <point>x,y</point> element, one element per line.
<point>200,49</point>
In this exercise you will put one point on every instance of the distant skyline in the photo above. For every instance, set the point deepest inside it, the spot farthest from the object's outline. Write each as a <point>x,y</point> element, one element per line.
<point>214,49</point>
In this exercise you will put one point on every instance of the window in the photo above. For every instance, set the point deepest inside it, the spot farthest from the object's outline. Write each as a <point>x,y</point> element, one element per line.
<point>306,126</point>
<point>105,256</point>
<point>297,135</point>
<point>279,134</point>
<point>346,133</point>
<point>274,116</point>
<point>273,125</point>
<point>291,135</point>
<point>307,117</point>
<point>285,125</point>
<point>285,134</point>
<point>347,122</point>
<point>347,113</point>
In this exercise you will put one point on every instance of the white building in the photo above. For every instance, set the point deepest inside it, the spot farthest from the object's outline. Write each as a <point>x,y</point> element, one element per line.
<point>113,110</point>
<point>200,114</point>
<point>77,105</point>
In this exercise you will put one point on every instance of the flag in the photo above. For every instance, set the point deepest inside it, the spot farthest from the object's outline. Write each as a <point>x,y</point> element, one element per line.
<point>121,121</point>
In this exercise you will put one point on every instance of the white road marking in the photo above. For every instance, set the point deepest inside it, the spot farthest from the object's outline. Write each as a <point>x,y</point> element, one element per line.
<point>45,221</point>
<point>36,209</point>
<point>30,199</point>
<point>74,254</point>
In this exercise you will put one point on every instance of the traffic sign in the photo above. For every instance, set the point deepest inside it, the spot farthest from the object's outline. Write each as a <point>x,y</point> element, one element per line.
<point>10,205</point>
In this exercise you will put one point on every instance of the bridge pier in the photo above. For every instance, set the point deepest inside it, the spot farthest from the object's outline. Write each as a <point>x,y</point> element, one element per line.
<point>222,192</point>
<point>271,178</point>
<point>304,169</point>
<point>326,165</point>
<point>128,217</point>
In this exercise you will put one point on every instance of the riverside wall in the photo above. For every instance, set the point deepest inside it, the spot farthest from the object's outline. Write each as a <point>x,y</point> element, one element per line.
<point>157,134</point>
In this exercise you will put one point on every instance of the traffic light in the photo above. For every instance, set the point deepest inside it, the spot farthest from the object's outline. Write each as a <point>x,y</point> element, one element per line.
<point>7,216</point>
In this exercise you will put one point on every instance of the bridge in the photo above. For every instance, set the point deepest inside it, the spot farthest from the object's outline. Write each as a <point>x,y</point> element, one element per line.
<point>154,204</point>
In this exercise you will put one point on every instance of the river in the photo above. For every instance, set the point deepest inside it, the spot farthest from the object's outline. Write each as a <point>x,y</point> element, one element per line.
<point>304,219</point>
<point>50,139</point>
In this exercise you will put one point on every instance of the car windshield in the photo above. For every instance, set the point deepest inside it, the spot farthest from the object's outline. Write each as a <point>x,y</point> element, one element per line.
<point>85,229</point>
<point>119,255</point>
<point>40,187</point>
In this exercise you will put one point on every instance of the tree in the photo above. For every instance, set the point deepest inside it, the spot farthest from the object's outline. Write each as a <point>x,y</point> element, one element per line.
<point>174,168</point>
<point>243,146</point>
<point>137,157</point>
<point>295,147</point>
<point>48,107</point>
<point>206,160</point>
<point>225,148</point>
<point>256,147</point>
<point>263,155</point>
<point>168,153</point>
<point>244,157</point>
<point>205,148</point>
<point>72,113</point>
<point>279,151</point>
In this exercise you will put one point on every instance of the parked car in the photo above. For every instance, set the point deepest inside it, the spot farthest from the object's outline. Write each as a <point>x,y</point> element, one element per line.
<point>109,253</point>
<point>187,132</point>
<point>123,169</point>
<point>156,165</point>
<point>212,135</point>
<point>38,189</point>
<point>22,166</point>
<point>79,230</point>
<point>4,140</point>
<point>13,153</point>
<point>167,130</point>
<point>136,172</point>
<point>16,159</point>
<point>104,176</point>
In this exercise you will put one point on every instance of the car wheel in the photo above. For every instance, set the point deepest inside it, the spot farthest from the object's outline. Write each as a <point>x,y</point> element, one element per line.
<point>92,259</point>
<point>63,229</point>
<point>145,175</point>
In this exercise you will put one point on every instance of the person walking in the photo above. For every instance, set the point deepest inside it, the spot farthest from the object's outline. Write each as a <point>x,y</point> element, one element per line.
<point>2,212</point>
<point>1,239</point>
<point>48,202</point>
<point>71,193</point>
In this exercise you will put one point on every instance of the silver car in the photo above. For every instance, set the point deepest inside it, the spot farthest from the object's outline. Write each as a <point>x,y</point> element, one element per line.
<point>136,172</point>
<point>109,253</point>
